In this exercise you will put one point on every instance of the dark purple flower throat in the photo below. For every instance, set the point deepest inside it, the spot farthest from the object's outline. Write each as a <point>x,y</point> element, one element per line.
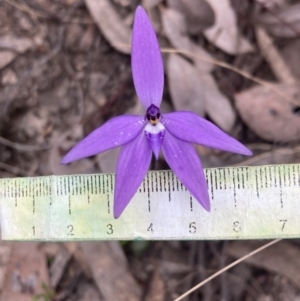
<point>153,114</point>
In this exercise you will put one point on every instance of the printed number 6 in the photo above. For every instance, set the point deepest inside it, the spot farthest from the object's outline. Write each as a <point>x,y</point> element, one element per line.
<point>236,226</point>
<point>193,228</point>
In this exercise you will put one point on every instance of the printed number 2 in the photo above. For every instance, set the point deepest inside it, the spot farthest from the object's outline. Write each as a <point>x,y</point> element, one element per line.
<point>70,228</point>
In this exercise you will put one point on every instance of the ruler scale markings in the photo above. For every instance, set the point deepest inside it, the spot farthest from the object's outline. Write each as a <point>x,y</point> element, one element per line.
<point>220,177</point>
<point>238,171</point>
<point>169,184</point>
<point>33,218</point>
<point>234,187</point>
<point>148,191</point>
<point>280,186</point>
<point>210,176</point>
<point>243,171</point>
<point>256,183</point>
<point>160,182</point>
<point>216,171</point>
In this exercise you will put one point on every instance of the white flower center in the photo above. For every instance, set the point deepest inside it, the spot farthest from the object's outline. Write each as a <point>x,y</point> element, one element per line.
<point>154,129</point>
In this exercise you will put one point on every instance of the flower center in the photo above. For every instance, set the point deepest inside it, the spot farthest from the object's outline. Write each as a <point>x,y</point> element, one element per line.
<point>154,130</point>
<point>153,114</point>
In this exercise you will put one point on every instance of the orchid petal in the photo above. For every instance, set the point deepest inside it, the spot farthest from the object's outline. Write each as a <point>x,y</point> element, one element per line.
<point>183,160</point>
<point>132,166</point>
<point>190,127</point>
<point>116,132</point>
<point>155,141</point>
<point>146,61</point>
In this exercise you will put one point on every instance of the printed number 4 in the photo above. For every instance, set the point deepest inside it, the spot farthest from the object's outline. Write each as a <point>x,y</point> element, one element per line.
<point>150,228</point>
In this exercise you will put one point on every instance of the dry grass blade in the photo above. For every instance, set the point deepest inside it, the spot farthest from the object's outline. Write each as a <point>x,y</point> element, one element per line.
<point>227,268</point>
<point>274,58</point>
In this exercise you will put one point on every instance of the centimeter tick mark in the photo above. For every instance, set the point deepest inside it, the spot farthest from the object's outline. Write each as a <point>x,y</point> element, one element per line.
<point>191,203</point>
<point>234,187</point>
<point>211,185</point>
<point>256,186</point>
<point>148,191</point>
<point>280,186</point>
<point>70,212</point>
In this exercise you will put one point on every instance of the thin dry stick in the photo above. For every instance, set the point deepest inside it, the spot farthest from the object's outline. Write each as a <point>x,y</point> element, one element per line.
<point>265,155</point>
<point>275,59</point>
<point>23,147</point>
<point>227,268</point>
<point>24,8</point>
<point>232,68</point>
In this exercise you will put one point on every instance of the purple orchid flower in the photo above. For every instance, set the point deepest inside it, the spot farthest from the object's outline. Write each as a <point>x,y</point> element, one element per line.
<point>139,136</point>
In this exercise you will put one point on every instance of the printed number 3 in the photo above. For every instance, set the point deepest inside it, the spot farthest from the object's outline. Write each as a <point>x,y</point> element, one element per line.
<point>110,229</point>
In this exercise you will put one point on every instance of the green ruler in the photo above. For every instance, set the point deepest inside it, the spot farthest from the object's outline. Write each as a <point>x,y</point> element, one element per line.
<point>247,203</point>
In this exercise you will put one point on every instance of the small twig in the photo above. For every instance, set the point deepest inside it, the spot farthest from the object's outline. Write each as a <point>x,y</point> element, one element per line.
<point>227,268</point>
<point>23,147</point>
<point>274,58</point>
<point>15,170</point>
<point>26,8</point>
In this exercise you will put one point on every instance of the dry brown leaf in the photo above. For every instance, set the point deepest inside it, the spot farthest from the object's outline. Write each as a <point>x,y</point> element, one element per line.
<point>175,29</point>
<point>149,4</point>
<point>107,161</point>
<point>156,288</point>
<point>111,272</point>
<point>283,23</point>
<point>224,33</point>
<point>6,57</point>
<point>198,14</point>
<point>58,266</point>
<point>291,55</point>
<point>5,253</point>
<point>9,77</point>
<point>217,105</point>
<point>110,23</point>
<point>88,292</point>
<point>282,258</point>
<point>185,85</point>
<point>20,45</point>
<point>269,115</point>
<point>55,157</point>
<point>27,272</point>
